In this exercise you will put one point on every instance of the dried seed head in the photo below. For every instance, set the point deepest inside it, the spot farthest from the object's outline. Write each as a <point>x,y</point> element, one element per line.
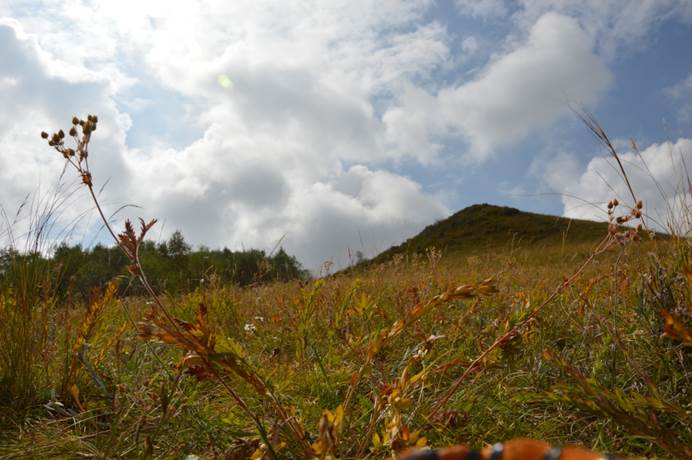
<point>73,131</point>
<point>61,134</point>
<point>610,204</point>
<point>615,202</point>
<point>639,204</point>
<point>75,120</point>
<point>637,213</point>
<point>44,134</point>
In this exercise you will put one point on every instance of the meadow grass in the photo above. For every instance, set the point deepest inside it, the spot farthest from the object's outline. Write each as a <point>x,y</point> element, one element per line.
<point>308,341</point>
<point>584,343</point>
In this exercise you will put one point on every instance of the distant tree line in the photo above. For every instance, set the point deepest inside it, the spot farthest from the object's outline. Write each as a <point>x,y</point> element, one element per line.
<point>171,266</point>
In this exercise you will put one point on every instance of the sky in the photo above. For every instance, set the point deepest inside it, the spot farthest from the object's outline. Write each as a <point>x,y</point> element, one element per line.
<point>329,127</point>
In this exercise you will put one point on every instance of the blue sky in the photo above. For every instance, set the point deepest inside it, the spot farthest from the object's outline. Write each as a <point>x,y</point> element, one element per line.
<point>346,125</point>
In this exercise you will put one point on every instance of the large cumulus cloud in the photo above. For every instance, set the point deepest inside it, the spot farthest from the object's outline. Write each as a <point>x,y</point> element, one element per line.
<point>528,88</point>
<point>287,152</point>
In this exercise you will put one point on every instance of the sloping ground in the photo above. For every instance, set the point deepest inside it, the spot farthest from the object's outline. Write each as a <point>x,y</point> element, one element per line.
<point>483,226</point>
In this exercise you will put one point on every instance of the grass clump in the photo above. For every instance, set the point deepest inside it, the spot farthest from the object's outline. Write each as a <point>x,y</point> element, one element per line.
<point>26,298</point>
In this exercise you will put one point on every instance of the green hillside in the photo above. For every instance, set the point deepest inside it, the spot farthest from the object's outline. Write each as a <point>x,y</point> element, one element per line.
<point>483,226</point>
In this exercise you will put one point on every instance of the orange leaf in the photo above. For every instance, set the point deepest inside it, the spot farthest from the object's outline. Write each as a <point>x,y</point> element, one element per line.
<point>673,327</point>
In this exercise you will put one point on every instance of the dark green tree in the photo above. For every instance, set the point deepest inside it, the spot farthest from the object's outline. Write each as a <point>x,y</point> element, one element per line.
<point>177,246</point>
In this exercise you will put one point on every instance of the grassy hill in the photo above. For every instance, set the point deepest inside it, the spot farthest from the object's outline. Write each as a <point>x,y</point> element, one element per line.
<point>482,227</point>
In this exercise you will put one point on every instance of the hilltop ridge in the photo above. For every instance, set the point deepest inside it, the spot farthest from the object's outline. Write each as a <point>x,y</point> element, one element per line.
<point>485,226</point>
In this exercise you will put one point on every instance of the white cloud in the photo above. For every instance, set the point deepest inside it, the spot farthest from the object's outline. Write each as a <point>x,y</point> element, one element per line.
<point>360,209</point>
<point>245,192</point>
<point>680,90</point>
<point>681,93</point>
<point>482,8</point>
<point>469,45</point>
<point>659,177</point>
<point>615,25</point>
<point>526,89</point>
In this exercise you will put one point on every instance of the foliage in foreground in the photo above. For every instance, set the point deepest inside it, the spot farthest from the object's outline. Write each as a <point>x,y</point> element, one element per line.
<point>580,344</point>
<point>603,365</point>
